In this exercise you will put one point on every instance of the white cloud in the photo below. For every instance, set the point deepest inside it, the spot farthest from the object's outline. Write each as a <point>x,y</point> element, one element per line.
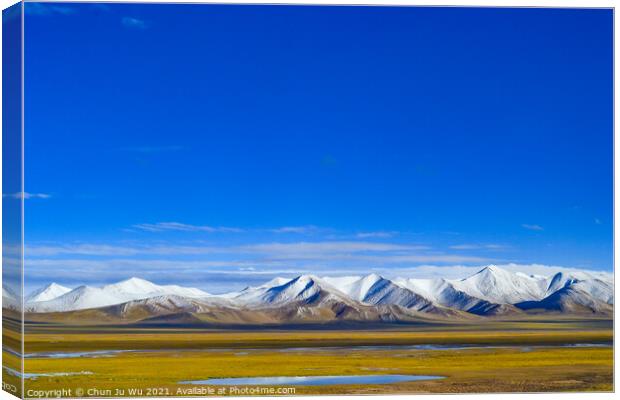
<point>46,9</point>
<point>142,265</point>
<point>27,195</point>
<point>328,247</point>
<point>465,247</point>
<point>440,258</point>
<point>378,234</point>
<point>335,253</point>
<point>14,263</point>
<point>491,246</point>
<point>274,250</point>
<point>304,229</point>
<point>81,249</point>
<point>177,226</point>
<point>240,263</point>
<point>134,23</point>
<point>532,227</point>
<point>496,246</point>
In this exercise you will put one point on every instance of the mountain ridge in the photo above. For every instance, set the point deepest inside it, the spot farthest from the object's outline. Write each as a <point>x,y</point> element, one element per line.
<point>490,292</point>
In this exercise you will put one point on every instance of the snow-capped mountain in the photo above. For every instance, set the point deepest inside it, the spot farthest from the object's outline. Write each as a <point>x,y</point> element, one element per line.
<point>10,300</point>
<point>252,294</point>
<point>564,279</point>
<point>304,289</point>
<point>136,288</point>
<point>80,298</point>
<point>355,287</point>
<point>569,299</point>
<point>442,292</point>
<point>301,289</point>
<point>500,286</point>
<point>46,293</point>
<point>560,280</point>
<point>598,289</point>
<point>385,292</point>
<point>85,297</point>
<point>489,292</point>
<point>8,293</point>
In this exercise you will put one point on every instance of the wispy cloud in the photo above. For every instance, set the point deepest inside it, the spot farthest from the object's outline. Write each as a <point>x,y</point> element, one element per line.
<point>27,195</point>
<point>465,247</point>
<point>273,250</point>
<point>134,23</point>
<point>47,9</point>
<point>178,226</point>
<point>367,254</point>
<point>81,250</point>
<point>36,195</point>
<point>327,248</point>
<point>377,234</point>
<point>491,246</point>
<point>113,250</point>
<point>304,229</point>
<point>532,227</point>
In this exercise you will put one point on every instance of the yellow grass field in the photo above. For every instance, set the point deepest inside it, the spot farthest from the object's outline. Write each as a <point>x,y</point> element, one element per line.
<point>503,357</point>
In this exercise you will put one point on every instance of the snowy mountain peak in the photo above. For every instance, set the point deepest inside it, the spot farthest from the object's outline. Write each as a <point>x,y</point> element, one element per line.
<point>301,288</point>
<point>80,298</point>
<point>304,279</point>
<point>372,278</point>
<point>10,300</point>
<point>492,268</point>
<point>501,286</point>
<point>560,280</point>
<point>58,298</point>
<point>55,286</point>
<point>277,281</point>
<point>355,288</point>
<point>490,291</point>
<point>492,271</point>
<point>135,281</point>
<point>368,281</point>
<point>133,285</point>
<point>49,292</point>
<point>385,292</point>
<point>7,292</point>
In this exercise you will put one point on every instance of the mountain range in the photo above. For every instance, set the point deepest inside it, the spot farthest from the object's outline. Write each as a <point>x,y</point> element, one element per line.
<point>490,292</point>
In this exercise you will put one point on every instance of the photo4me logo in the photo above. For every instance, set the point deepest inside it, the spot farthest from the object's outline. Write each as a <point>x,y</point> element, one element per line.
<point>235,391</point>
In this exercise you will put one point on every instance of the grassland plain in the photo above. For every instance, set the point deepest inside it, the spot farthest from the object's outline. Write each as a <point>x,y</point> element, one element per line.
<point>509,356</point>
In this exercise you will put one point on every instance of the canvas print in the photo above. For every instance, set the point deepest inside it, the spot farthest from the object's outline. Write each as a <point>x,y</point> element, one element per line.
<point>230,200</point>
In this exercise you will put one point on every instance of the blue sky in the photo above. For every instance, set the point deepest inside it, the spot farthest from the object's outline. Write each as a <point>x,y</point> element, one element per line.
<point>222,145</point>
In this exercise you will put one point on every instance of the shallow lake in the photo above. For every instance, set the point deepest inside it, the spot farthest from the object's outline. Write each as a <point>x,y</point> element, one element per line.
<point>315,380</point>
<point>34,376</point>
<point>242,351</point>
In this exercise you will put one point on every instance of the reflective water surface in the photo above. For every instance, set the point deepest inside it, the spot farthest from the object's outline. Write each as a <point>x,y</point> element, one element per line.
<point>314,380</point>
